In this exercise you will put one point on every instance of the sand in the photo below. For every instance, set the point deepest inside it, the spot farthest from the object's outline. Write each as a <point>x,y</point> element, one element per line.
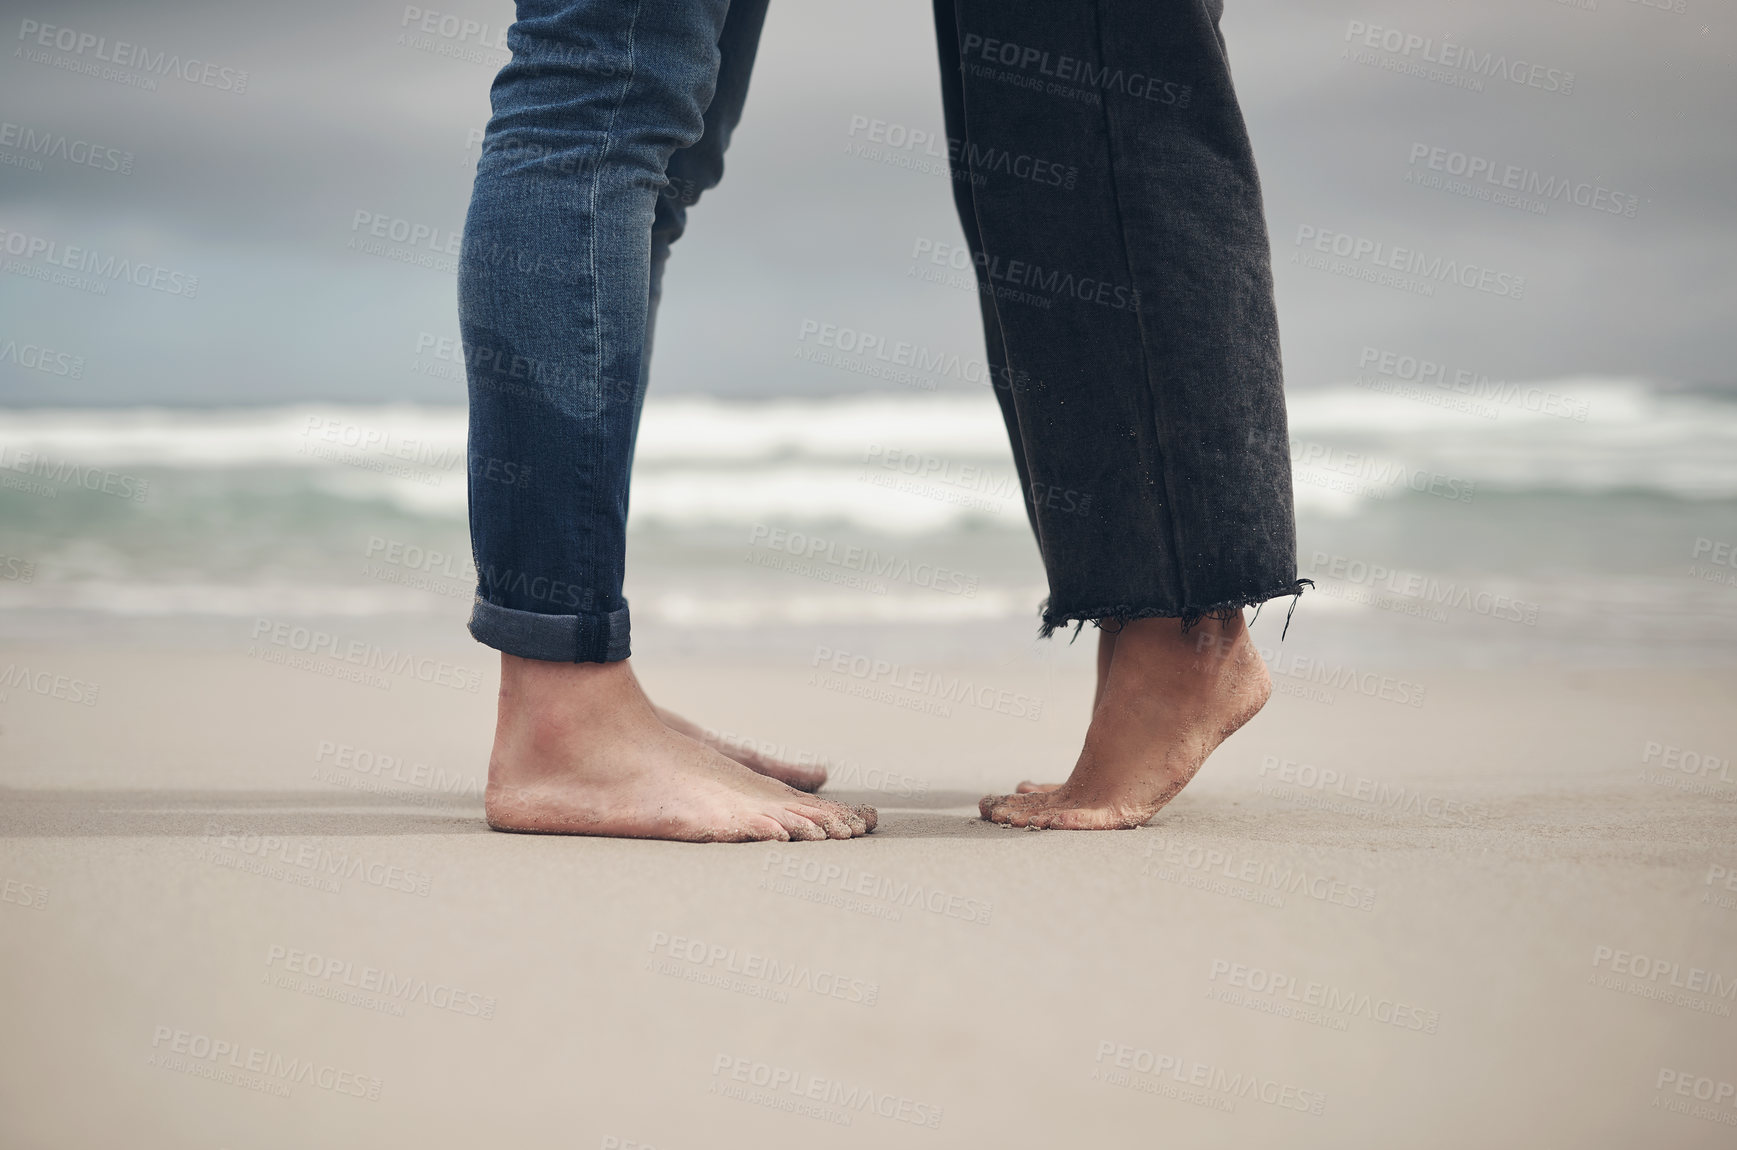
<point>1482,921</point>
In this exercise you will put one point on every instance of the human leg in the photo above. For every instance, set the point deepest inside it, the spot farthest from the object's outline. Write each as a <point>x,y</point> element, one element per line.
<point>1130,299</point>
<point>555,291</point>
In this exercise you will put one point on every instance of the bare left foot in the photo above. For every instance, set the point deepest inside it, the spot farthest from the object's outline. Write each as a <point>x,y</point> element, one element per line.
<point>1167,703</point>
<point>803,778</point>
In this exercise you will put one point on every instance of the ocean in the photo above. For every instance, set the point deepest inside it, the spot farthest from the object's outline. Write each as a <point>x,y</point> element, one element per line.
<point>1576,521</point>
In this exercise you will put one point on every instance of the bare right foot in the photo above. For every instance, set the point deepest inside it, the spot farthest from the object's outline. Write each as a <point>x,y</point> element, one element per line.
<point>1169,701</point>
<point>580,750</point>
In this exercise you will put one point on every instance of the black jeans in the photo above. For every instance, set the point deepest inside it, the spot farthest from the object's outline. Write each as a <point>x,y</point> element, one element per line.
<point>1109,198</point>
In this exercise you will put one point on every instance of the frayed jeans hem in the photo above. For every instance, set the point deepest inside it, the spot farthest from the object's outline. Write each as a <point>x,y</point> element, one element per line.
<point>1118,616</point>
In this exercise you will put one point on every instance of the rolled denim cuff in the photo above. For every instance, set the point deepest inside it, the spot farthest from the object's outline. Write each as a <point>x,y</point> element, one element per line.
<point>594,637</point>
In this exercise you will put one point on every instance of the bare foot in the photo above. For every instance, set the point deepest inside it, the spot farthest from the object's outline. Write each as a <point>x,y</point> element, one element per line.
<point>802,778</point>
<point>1106,649</point>
<point>1167,703</point>
<point>580,750</point>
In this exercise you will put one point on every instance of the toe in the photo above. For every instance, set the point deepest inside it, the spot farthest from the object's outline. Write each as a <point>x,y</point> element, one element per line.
<point>1030,788</point>
<point>1004,808</point>
<point>757,828</point>
<point>860,820</point>
<point>801,829</point>
<point>826,816</point>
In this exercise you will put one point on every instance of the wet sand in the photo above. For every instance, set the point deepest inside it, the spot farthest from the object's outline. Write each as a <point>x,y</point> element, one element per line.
<point>252,906</point>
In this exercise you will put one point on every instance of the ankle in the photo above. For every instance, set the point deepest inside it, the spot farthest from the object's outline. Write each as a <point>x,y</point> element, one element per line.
<point>1208,644</point>
<point>544,706</point>
<point>537,686</point>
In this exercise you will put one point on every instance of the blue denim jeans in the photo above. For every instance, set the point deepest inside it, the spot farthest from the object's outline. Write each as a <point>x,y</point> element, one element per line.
<point>610,120</point>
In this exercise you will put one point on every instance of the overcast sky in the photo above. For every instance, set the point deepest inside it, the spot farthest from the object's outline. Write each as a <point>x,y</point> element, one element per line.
<point>255,193</point>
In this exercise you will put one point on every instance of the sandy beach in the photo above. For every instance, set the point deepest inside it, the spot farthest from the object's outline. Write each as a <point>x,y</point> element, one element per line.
<point>257,907</point>
<point>321,319</point>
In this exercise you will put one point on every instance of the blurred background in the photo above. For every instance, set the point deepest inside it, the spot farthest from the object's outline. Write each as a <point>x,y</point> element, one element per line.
<point>241,397</point>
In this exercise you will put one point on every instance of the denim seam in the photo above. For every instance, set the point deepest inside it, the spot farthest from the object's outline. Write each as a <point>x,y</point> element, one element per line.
<point>597,181</point>
<point>598,359</point>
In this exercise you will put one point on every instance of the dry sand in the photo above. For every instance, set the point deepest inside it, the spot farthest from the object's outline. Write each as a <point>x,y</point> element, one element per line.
<point>1468,937</point>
